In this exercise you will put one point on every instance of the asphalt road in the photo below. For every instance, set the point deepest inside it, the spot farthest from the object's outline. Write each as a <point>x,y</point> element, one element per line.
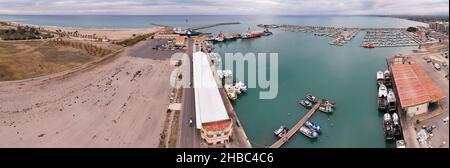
<point>190,136</point>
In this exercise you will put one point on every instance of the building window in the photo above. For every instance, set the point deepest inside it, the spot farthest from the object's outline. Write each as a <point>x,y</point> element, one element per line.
<point>417,108</point>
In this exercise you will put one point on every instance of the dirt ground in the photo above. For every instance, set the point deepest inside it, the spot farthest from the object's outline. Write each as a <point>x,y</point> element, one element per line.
<point>121,102</point>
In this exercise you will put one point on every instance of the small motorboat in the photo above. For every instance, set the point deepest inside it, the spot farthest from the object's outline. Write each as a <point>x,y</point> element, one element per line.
<point>283,132</point>
<point>311,98</point>
<point>241,87</point>
<point>279,130</point>
<point>326,109</point>
<point>313,125</point>
<point>310,133</point>
<point>327,103</point>
<point>306,103</point>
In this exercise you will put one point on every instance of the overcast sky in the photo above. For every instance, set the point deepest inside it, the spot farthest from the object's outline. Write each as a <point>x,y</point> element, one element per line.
<point>219,7</point>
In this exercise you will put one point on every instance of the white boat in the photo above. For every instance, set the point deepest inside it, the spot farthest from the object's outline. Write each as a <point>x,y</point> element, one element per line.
<point>279,130</point>
<point>326,109</point>
<point>313,125</point>
<point>400,144</point>
<point>240,87</point>
<point>308,132</point>
<point>382,97</point>
<point>220,73</point>
<point>388,127</point>
<point>397,128</point>
<point>382,91</point>
<point>380,77</point>
<point>391,101</point>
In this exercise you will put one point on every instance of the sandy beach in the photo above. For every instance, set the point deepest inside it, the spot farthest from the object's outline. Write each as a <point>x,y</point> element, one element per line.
<point>120,102</point>
<point>111,34</point>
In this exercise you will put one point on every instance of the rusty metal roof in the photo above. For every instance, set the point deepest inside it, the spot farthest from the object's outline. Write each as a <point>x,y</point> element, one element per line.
<point>413,85</point>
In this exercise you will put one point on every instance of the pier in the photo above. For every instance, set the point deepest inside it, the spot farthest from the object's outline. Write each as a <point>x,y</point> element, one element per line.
<point>296,127</point>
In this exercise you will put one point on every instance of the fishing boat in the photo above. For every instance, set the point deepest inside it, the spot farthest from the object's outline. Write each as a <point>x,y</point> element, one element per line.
<point>306,103</point>
<point>387,78</point>
<point>382,97</point>
<point>310,133</point>
<point>397,128</point>
<point>380,77</point>
<point>391,101</point>
<point>231,92</point>
<point>313,125</point>
<point>388,127</point>
<point>311,98</point>
<point>279,130</point>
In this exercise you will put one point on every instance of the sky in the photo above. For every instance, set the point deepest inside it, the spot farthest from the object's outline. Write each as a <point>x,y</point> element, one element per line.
<point>226,7</point>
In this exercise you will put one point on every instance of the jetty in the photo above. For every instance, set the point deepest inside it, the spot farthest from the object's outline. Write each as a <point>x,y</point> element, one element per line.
<point>297,126</point>
<point>214,25</point>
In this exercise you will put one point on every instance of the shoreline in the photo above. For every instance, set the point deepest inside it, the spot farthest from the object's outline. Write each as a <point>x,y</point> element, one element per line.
<point>110,33</point>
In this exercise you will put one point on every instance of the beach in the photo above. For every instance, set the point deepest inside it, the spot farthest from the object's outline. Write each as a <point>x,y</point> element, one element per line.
<point>114,34</point>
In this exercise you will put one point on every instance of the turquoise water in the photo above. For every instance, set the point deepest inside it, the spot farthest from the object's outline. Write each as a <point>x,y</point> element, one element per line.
<point>344,74</point>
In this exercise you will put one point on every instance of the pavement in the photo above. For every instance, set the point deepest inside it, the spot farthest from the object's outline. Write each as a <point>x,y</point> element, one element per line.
<point>436,115</point>
<point>190,135</point>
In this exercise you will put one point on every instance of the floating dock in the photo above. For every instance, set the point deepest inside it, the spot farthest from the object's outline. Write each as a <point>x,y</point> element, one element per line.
<point>297,126</point>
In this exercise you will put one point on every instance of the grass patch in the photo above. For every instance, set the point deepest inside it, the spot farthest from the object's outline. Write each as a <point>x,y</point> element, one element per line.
<point>29,59</point>
<point>134,40</point>
<point>163,134</point>
<point>174,130</point>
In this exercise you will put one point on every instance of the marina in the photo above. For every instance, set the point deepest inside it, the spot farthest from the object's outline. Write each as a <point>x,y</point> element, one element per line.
<point>387,38</point>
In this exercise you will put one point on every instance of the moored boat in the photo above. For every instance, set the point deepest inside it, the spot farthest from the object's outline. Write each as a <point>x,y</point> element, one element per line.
<point>380,77</point>
<point>241,87</point>
<point>388,127</point>
<point>306,103</point>
<point>311,98</point>
<point>327,103</point>
<point>397,128</point>
<point>382,97</point>
<point>308,132</point>
<point>279,130</point>
<point>391,101</point>
<point>326,109</point>
<point>231,92</point>
<point>313,125</point>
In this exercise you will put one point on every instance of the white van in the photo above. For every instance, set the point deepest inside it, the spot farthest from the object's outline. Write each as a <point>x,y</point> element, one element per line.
<point>437,66</point>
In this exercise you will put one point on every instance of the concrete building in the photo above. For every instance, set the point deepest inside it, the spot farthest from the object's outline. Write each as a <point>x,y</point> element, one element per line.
<point>414,87</point>
<point>180,41</point>
<point>212,118</point>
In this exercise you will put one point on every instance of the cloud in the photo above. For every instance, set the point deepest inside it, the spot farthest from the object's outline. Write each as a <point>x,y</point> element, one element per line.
<point>220,7</point>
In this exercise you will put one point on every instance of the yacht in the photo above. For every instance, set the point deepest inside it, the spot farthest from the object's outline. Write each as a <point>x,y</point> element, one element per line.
<point>305,103</point>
